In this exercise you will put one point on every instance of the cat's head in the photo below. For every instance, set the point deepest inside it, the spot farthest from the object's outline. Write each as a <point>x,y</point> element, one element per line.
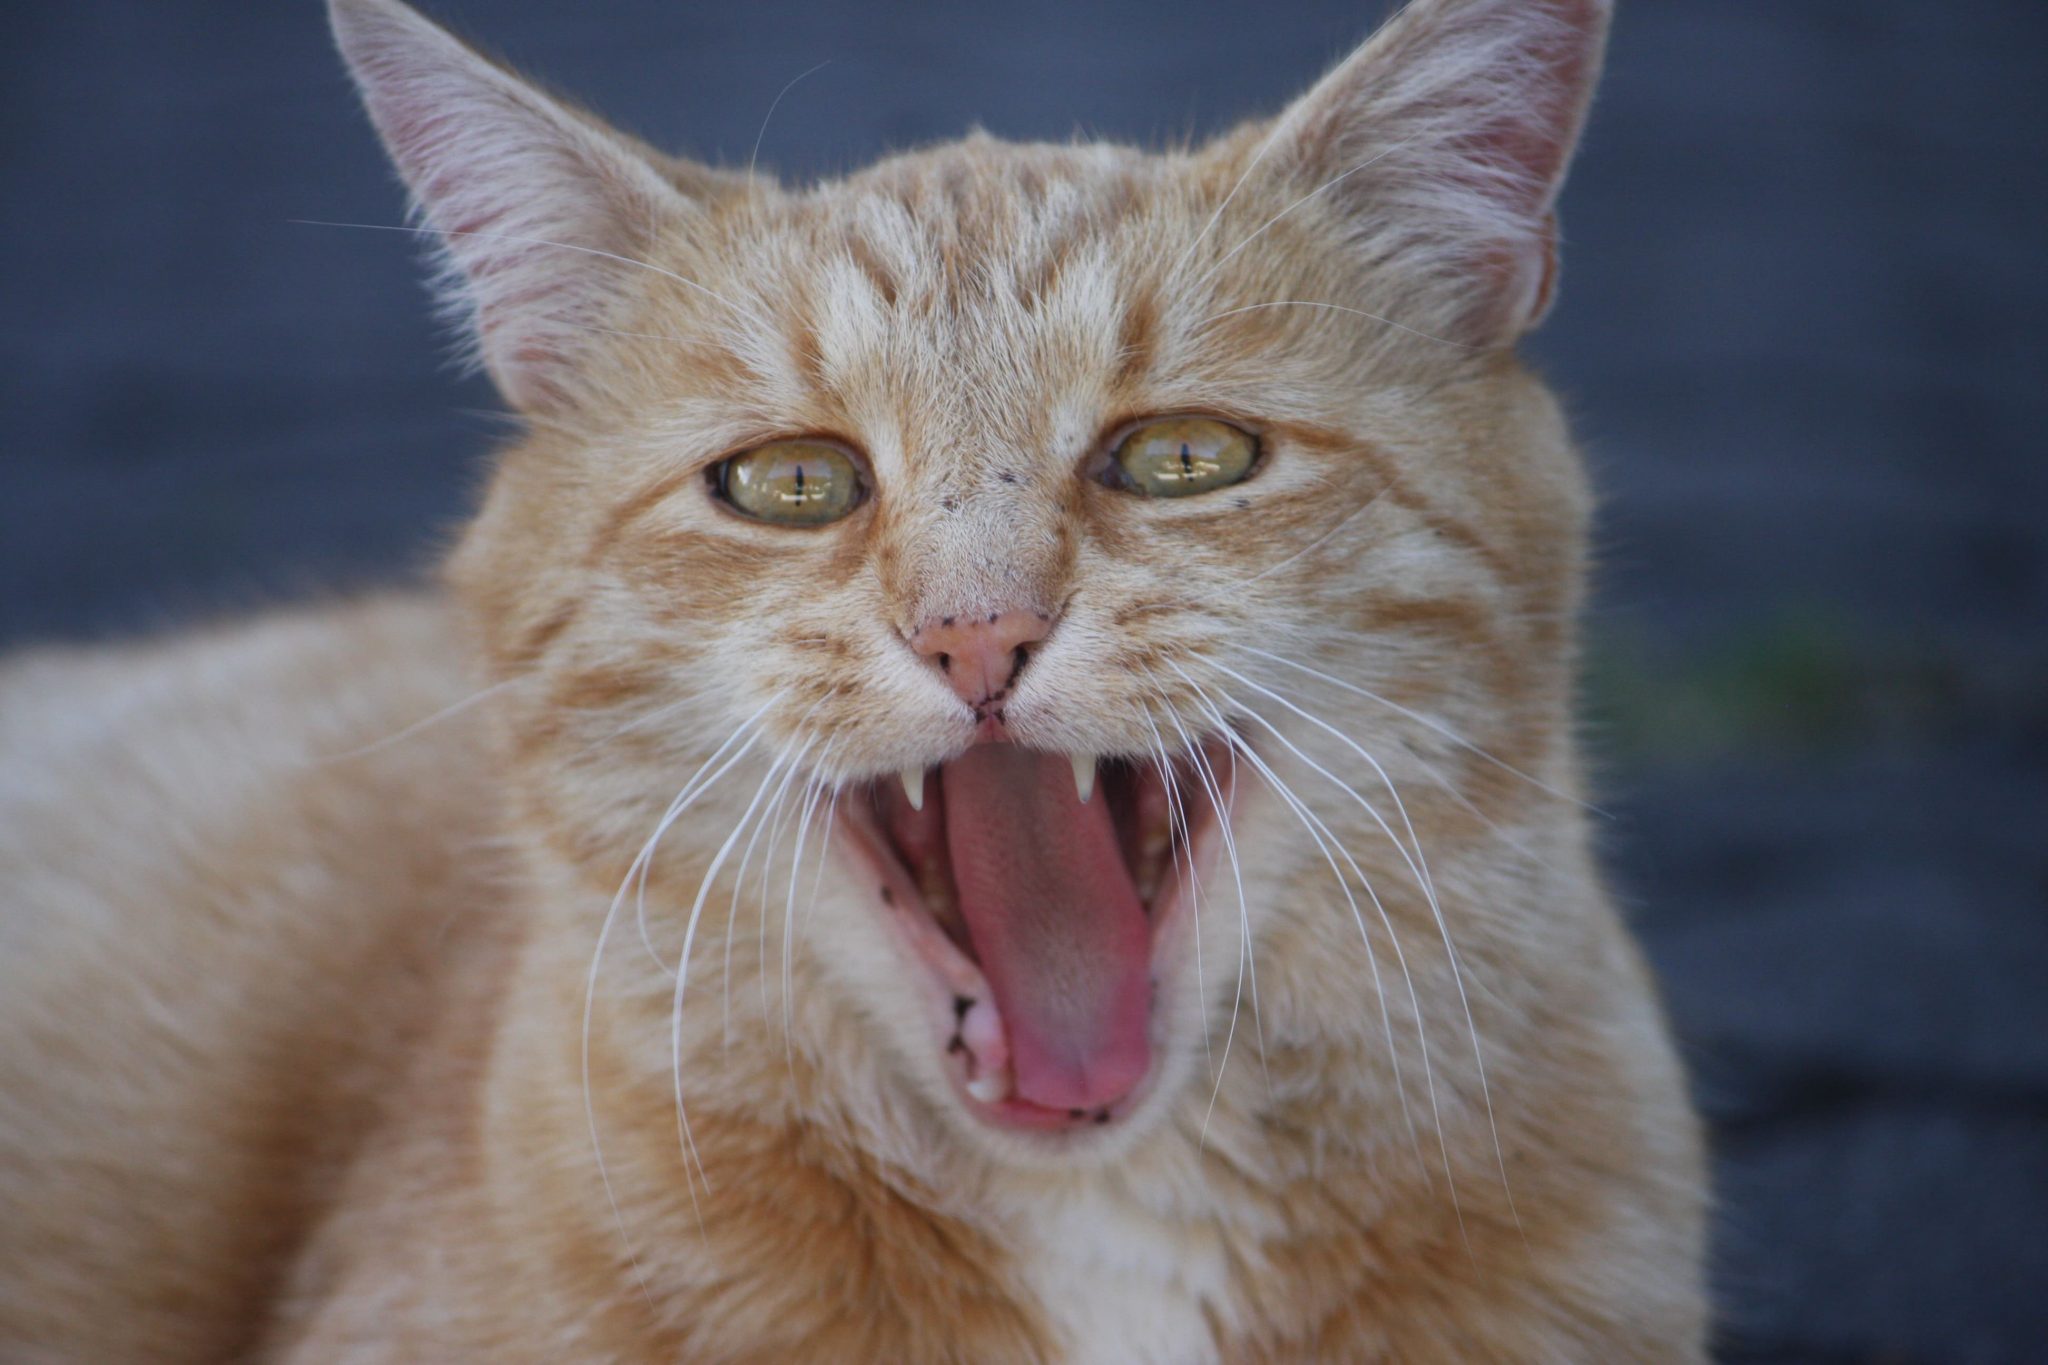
<point>1065,527</point>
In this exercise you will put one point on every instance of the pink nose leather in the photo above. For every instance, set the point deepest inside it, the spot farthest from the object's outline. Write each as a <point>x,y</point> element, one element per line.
<point>980,654</point>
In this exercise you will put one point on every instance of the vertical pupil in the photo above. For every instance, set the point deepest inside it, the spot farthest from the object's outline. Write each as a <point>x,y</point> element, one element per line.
<point>799,483</point>
<point>1187,465</point>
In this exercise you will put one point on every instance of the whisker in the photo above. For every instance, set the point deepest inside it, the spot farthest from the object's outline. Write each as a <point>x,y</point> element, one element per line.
<point>824,842</point>
<point>1208,780</point>
<point>812,789</point>
<point>739,882</point>
<point>762,892</point>
<point>1314,823</point>
<point>689,791</point>
<point>1327,185</point>
<point>1450,789</point>
<point>754,157</point>
<point>1272,138</point>
<point>1176,815</point>
<point>1349,517</point>
<point>645,718</point>
<point>1416,868</point>
<point>1324,838</point>
<point>445,713</point>
<point>1419,867</point>
<point>645,863</point>
<point>704,884</point>
<point>1244,911</point>
<point>1432,725</point>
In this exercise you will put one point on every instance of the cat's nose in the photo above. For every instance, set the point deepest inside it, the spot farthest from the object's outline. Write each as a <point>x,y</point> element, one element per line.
<point>982,653</point>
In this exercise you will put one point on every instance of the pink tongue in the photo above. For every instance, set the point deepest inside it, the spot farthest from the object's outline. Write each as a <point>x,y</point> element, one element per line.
<point>1058,926</point>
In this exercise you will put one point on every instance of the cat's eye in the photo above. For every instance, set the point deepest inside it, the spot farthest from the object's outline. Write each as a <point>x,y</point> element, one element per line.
<point>790,483</point>
<point>1177,457</point>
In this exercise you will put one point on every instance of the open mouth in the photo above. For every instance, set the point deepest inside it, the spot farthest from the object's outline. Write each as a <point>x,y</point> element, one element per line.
<point>1036,888</point>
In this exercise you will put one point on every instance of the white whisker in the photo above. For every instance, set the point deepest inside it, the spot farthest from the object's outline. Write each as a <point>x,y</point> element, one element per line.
<point>1261,230</point>
<point>812,789</point>
<point>704,884</point>
<point>1208,779</point>
<point>697,783</point>
<point>739,882</point>
<point>1324,839</point>
<point>754,157</point>
<point>1280,125</point>
<point>1417,866</point>
<point>1176,814</point>
<point>1349,517</point>
<point>1319,831</point>
<point>445,713</point>
<point>645,863</point>
<point>824,842</point>
<point>1427,723</point>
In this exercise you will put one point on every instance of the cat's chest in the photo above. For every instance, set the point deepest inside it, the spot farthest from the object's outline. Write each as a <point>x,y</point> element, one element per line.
<point>1119,1285</point>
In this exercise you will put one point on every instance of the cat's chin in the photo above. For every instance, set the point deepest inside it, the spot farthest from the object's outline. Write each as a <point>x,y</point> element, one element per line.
<point>1042,915</point>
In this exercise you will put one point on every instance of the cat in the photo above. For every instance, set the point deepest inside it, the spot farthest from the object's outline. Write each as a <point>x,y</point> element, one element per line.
<point>992,780</point>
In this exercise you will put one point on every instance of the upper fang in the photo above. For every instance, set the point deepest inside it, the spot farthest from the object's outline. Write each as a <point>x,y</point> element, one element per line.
<point>1084,776</point>
<point>913,787</point>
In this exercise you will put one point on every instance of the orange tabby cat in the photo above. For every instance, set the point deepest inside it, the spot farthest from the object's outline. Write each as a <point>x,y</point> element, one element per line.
<point>993,783</point>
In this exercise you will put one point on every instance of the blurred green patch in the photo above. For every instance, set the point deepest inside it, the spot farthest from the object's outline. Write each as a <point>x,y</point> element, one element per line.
<point>1800,683</point>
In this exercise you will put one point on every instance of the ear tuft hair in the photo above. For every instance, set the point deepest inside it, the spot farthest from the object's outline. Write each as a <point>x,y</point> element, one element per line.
<point>537,209</point>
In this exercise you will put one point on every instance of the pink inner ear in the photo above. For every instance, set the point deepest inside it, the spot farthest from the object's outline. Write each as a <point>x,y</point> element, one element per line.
<point>527,200</point>
<point>1521,110</point>
<point>1536,141</point>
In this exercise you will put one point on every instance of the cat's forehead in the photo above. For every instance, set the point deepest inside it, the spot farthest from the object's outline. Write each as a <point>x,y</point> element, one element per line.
<point>976,285</point>
<point>981,203</point>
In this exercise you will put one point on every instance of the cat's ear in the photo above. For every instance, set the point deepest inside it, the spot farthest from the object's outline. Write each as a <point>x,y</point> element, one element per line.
<point>538,209</point>
<point>1442,143</point>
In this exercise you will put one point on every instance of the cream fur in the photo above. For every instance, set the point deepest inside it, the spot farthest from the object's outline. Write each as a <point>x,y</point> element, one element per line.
<point>309,1057</point>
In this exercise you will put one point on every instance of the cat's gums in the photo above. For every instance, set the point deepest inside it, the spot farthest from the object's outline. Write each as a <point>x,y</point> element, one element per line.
<point>992,780</point>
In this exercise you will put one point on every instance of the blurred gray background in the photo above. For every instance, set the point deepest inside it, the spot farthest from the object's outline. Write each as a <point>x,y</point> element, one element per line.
<point>1800,326</point>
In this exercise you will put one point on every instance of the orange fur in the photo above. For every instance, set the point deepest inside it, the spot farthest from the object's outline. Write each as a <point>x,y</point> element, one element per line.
<point>294,987</point>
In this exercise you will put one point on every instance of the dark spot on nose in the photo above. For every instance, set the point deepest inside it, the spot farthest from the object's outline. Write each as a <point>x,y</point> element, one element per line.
<point>1007,477</point>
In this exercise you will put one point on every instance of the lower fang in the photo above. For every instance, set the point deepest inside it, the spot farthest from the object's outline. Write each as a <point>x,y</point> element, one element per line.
<point>988,1088</point>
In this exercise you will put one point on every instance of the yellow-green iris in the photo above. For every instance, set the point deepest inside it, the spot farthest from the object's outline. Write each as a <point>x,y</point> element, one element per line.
<point>791,483</point>
<point>1181,456</point>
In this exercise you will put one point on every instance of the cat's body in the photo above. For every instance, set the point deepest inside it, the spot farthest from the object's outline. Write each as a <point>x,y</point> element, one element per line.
<point>337,1035</point>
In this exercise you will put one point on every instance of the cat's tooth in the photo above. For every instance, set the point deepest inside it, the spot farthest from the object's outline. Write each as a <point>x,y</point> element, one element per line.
<point>913,787</point>
<point>988,1087</point>
<point>1084,776</point>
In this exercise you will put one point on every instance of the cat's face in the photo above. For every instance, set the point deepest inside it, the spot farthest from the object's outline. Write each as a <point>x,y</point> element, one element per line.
<point>977,519</point>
